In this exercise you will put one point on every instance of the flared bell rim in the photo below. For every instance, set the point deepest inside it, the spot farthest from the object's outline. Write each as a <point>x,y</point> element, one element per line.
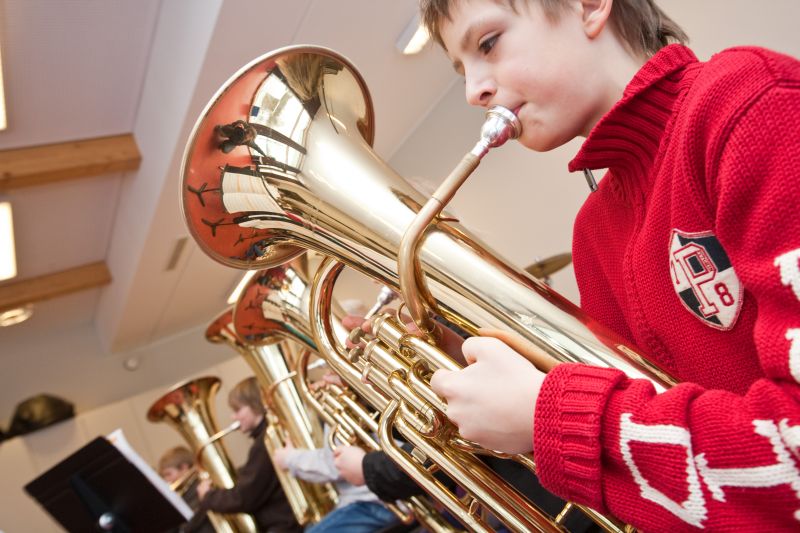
<point>156,412</point>
<point>248,319</point>
<point>281,253</point>
<point>223,321</point>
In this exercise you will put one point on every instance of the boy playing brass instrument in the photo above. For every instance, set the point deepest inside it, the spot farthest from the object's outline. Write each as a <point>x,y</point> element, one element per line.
<point>689,249</point>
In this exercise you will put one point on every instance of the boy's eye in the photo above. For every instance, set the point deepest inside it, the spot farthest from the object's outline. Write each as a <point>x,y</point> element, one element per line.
<point>486,45</point>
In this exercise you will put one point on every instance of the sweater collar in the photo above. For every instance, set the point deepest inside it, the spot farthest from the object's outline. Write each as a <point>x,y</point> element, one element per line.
<point>259,430</point>
<point>627,138</point>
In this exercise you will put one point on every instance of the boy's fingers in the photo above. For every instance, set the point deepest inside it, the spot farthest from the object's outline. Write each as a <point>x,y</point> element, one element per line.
<point>477,348</point>
<point>439,382</point>
<point>471,349</point>
<point>528,350</point>
<point>366,326</point>
<point>352,321</point>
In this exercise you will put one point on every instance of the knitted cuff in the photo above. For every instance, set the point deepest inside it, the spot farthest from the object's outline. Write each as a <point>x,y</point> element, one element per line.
<point>567,428</point>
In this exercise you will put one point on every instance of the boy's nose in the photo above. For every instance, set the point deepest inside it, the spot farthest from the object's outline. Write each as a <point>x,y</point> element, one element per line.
<point>480,92</point>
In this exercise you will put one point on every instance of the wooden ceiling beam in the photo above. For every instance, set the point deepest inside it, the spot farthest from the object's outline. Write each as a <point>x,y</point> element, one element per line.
<point>18,293</point>
<point>39,165</point>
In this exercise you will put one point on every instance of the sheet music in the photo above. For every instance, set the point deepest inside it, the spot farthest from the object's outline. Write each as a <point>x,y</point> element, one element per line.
<point>117,438</point>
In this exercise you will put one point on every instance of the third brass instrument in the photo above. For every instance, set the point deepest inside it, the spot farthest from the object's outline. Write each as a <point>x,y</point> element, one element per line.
<point>280,161</point>
<point>287,418</point>
<point>189,409</point>
<point>274,309</point>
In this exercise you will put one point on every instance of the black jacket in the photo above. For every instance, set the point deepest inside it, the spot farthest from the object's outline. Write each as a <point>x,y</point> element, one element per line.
<point>199,522</point>
<point>390,483</point>
<point>384,478</point>
<point>257,491</point>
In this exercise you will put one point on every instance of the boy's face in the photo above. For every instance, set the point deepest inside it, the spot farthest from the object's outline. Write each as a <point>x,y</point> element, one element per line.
<point>540,69</point>
<point>172,473</point>
<point>247,418</point>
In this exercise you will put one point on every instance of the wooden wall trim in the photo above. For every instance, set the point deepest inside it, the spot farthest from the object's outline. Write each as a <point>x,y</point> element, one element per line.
<point>18,293</point>
<point>39,165</point>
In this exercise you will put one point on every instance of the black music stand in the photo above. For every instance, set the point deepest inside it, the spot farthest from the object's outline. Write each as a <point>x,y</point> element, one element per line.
<point>98,489</point>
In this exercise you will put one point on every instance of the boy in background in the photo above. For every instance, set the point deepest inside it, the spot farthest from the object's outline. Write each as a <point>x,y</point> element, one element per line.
<point>359,510</point>
<point>176,467</point>
<point>257,490</point>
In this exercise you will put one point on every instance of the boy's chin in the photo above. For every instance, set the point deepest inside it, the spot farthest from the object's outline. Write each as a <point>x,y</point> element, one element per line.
<point>539,144</point>
<point>541,141</point>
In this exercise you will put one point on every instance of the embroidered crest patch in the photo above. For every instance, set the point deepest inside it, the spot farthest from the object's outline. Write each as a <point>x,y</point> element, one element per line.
<point>704,279</point>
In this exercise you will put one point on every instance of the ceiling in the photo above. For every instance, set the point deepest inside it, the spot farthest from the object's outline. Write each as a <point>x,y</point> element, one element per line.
<point>87,68</point>
<point>84,69</point>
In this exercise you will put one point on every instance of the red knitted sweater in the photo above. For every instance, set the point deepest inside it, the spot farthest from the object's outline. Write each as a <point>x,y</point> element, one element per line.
<point>691,250</point>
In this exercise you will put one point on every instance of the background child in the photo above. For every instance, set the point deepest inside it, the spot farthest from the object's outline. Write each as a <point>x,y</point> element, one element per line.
<point>257,490</point>
<point>175,464</point>
<point>358,510</point>
<point>678,251</point>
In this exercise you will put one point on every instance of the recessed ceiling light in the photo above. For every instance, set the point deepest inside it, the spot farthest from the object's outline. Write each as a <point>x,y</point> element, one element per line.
<point>414,37</point>
<point>8,259</point>
<point>14,316</point>
<point>131,363</point>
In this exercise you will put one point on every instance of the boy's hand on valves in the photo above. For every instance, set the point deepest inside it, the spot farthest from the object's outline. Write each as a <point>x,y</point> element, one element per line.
<point>492,401</point>
<point>348,461</point>
<point>351,322</point>
<point>281,455</point>
<point>203,487</point>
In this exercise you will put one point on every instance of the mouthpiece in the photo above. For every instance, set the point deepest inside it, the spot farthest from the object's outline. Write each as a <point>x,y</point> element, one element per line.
<point>501,124</point>
<point>234,426</point>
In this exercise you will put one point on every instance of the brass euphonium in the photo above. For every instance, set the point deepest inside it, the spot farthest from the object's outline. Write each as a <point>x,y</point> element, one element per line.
<point>287,417</point>
<point>186,480</point>
<point>189,409</point>
<point>279,161</point>
<point>274,307</point>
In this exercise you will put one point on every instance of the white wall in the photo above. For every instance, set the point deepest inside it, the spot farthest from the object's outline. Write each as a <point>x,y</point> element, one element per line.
<point>24,458</point>
<point>70,362</point>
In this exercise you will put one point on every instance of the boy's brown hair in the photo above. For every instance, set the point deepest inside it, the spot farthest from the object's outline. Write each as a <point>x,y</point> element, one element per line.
<point>640,24</point>
<point>246,392</point>
<point>175,458</point>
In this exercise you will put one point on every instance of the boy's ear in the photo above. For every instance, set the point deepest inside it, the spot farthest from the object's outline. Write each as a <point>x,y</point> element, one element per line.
<point>595,15</point>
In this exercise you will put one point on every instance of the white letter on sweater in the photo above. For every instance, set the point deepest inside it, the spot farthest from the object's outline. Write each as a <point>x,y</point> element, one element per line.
<point>693,510</point>
<point>785,442</point>
<point>789,264</point>
<point>782,472</point>
<point>793,336</point>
